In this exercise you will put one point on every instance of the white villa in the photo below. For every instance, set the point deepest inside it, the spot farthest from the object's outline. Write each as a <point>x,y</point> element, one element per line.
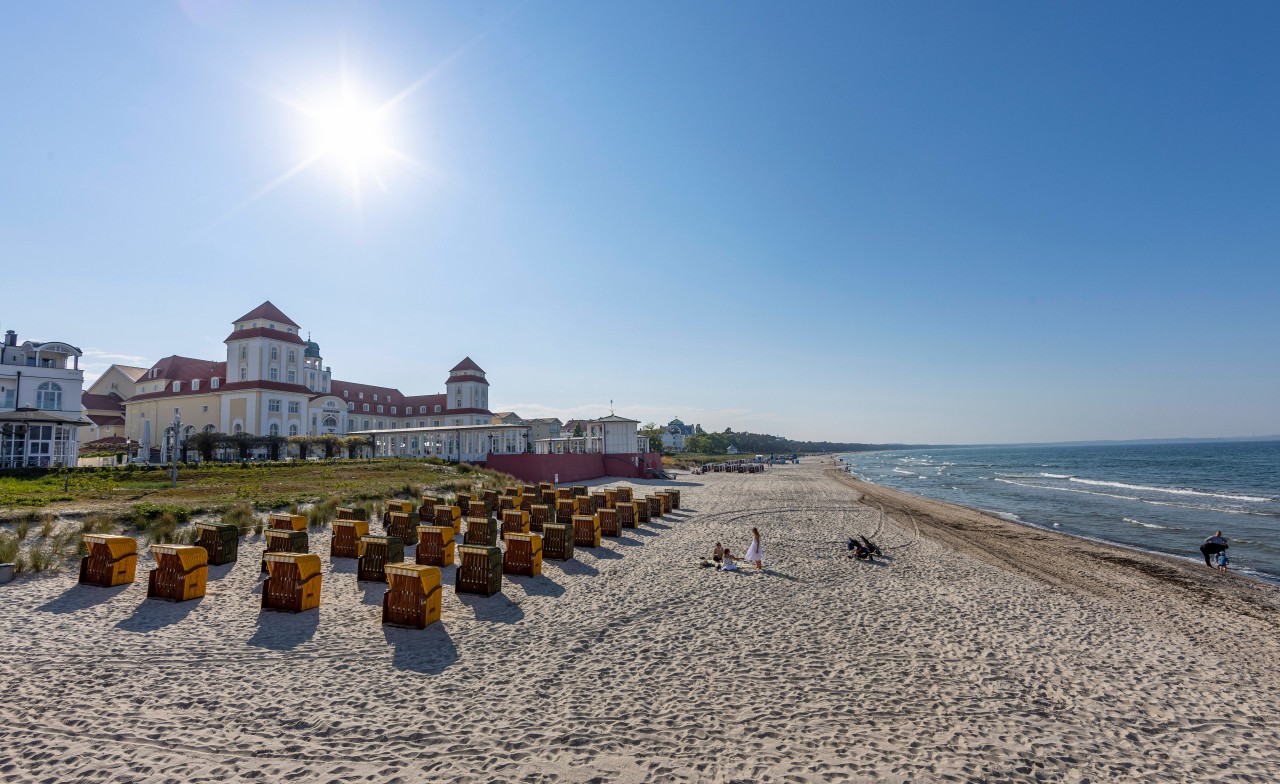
<point>40,411</point>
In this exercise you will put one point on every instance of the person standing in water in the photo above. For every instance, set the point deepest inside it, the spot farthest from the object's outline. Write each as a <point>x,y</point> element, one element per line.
<point>1212,546</point>
<point>755,552</point>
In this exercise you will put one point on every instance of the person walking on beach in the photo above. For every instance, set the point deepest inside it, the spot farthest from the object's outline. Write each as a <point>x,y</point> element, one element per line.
<point>1211,547</point>
<point>755,552</point>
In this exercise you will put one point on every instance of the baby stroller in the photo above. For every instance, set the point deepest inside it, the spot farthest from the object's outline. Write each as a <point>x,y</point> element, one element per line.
<point>864,550</point>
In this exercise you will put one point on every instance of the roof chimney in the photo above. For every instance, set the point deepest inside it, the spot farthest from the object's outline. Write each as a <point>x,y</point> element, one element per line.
<point>11,338</point>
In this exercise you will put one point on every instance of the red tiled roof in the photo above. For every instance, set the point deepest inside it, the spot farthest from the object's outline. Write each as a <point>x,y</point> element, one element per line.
<point>101,402</point>
<point>267,311</point>
<point>178,368</point>
<point>106,421</point>
<point>388,395</point>
<point>466,364</point>
<point>477,379</point>
<point>263,332</point>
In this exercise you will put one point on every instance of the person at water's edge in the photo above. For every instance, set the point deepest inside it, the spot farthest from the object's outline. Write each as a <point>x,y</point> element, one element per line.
<point>1211,547</point>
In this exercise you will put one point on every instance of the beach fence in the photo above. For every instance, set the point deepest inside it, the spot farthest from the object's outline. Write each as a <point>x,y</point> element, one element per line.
<point>293,582</point>
<point>412,597</point>
<point>435,546</point>
<point>479,570</point>
<point>220,540</point>
<point>523,555</point>
<point>375,553</point>
<point>181,572</point>
<point>112,560</point>
<point>346,538</point>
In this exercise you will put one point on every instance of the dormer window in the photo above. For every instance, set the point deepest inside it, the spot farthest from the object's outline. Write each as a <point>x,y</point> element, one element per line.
<point>393,409</point>
<point>177,386</point>
<point>362,396</point>
<point>437,411</point>
<point>379,409</point>
<point>270,325</point>
<point>345,393</point>
<point>375,397</point>
<point>195,385</point>
<point>213,382</point>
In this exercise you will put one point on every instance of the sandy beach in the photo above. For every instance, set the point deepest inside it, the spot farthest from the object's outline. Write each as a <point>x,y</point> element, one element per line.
<point>977,650</point>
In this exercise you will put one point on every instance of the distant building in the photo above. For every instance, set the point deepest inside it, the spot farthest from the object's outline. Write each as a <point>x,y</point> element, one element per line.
<point>611,435</point>
<point>40,410</point>
<point>674,434</point>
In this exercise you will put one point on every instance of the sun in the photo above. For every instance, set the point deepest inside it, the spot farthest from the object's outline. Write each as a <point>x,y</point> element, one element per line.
<point>353,134</point>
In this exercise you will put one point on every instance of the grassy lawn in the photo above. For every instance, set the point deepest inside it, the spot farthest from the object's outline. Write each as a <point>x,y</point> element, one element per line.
<point>220,487</point>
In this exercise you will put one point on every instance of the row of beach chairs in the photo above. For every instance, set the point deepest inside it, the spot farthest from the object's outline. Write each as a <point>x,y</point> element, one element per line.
<point>528,532</point>
<point>734,467</point>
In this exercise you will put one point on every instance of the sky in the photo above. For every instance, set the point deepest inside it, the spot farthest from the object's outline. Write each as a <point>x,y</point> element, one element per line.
<point>921,222</point>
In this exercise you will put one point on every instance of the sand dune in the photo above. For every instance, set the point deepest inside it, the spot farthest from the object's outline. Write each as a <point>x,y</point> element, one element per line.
<point>950,660</point>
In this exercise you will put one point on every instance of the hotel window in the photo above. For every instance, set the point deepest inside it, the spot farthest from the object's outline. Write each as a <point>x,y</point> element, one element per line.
<point>273,404</point>
<point>237,429</point>
<point>422,423</point>
<point>213,382</point>
<point>422,409</point>
<point>293,377</point>
<point>375,397</point>
<point>204,409</point>
<point>293,406</point>
<point>49,397</point>
<point>293,357</point>
<point>435,423</point>
<point>362,396</point>
<point>393,409</point>
<point>195,385</point>
<point>381,424</point>
<point>244,352</point>
<point>275,374</point>
<point>437,411</point>
<point>351,406</point>
<point>177,386</point>
<point>366,424</point>
<point>275,429</point>
<point>345,393</point>
<point>275,354</point>
<point>293,430</point>
<point>242,374</point>
<point>379,409</point>
<point>270,325</point>
<point>365,407</point>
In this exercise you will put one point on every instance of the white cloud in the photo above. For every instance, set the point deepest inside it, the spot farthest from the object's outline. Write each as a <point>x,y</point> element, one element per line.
<point>95,362</point>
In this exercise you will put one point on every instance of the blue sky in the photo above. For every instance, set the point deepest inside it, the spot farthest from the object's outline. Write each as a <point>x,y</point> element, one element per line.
<point>921,222</point>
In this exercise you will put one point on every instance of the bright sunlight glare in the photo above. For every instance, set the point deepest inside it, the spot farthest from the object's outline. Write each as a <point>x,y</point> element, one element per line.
<point>352,135</point>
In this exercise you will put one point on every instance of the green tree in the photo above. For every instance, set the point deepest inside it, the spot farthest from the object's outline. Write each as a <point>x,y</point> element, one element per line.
<point>654,433</point>
<point>577,431</point>
<point>273,444</point>
<point>355,445</point>
<point>243,443</point>
<point>332,445</point>
<point>205,442</point>
<point>303,443</point>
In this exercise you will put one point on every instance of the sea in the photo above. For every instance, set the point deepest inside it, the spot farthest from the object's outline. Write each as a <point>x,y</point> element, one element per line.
<point>1164,498</point>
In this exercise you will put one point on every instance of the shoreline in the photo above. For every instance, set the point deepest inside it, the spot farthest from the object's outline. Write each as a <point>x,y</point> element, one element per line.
<point>1057,558</point>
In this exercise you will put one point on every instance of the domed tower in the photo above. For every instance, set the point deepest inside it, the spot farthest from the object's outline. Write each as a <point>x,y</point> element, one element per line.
<point>315,375</point>
<point>466,387</point>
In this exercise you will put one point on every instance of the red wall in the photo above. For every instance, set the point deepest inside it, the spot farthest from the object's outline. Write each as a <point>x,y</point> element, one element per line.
<point>572,468</point>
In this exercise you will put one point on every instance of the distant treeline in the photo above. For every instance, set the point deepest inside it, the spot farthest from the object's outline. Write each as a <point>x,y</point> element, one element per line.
<point>763,444</point>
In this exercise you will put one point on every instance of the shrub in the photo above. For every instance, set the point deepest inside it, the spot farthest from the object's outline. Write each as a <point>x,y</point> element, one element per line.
<point>39,559</point>
<point>161,530</point>
<point>21,529</point>
<point>322,513</point>
<point>241,516</point>
<point>97,524</point>
<point>9,547</point>
<point>147,512</point>
<point>46,524</point>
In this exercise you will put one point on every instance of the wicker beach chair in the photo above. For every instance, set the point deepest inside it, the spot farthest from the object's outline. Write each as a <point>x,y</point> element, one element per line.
<point>515,522</point>
<point>675,498</point>
<point>287,522</point>
<point>548,497</point>
<point>293,582</point>
<point>539,515</point>
<point>112,560</point>
<point>508,502</point>
<point>479,570</point>
<point>482,532</point>
<point>665,500</point>
<point>393,506</point>
<point>412,597</point>
<point>642,510</point>
<point>427,511</point>
<point>523,555</point>
<point>346,538</point>
<point>400,525</point>
<point>557,541</point>
<point>278,541</point>
<point>627,515</point>
<point>586,531</point>
<point>435,546</point>
<point>655,507</point>
<point>564,493</point>
<point>375,553</point>
<point>180,574</point>
<point>564,511</point>
<point>624,495</point>
<point>462,501</point>
<point>450,516</point>
<point>490,501</point>
<point>607,522</point>
<point>220,540</point>
<point>581,505</point>
<point>597,502</point>
<point>578,490</point>
<point>352,513</point>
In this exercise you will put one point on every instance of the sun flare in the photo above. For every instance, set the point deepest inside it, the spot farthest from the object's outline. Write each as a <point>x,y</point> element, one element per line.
<point>352,134</point>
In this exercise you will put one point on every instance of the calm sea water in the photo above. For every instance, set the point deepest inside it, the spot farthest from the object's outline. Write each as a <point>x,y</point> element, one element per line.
<point>1161,497</point>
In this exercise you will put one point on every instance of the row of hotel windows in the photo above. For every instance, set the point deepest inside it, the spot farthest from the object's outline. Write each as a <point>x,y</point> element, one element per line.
<point>48,397</point>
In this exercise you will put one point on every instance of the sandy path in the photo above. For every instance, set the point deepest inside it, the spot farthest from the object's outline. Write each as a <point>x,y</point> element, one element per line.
<point>632,664</point>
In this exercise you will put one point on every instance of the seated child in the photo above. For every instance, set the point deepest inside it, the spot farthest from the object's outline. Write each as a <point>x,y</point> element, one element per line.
<point>730,564</point>
<point>717,553</point>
